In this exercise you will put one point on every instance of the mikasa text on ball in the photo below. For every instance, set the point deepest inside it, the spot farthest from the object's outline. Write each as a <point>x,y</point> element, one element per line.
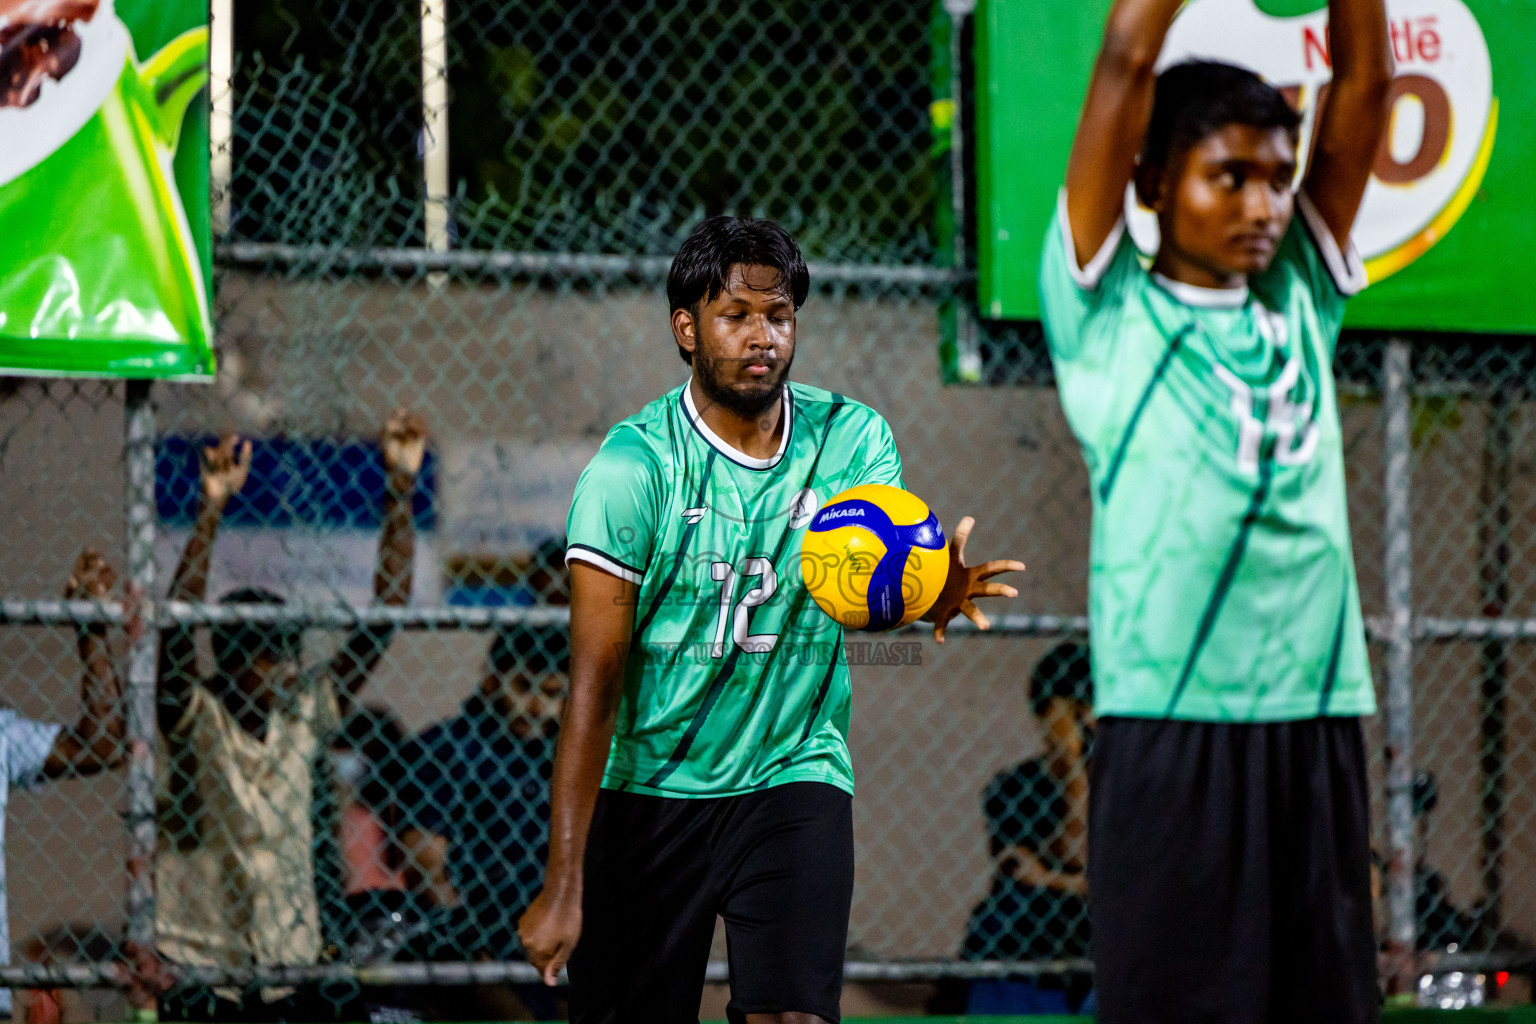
<point>874,558</point>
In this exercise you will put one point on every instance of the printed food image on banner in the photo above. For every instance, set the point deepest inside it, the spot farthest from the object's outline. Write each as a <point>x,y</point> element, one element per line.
<point>102,273</point>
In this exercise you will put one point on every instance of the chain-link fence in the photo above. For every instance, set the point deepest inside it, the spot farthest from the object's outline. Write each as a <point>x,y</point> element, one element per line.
<point>489,257</point>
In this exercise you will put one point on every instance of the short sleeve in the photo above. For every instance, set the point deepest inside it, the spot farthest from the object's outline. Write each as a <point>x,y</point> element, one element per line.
<point>1329,275</point>
<point>27,745</point>
<point>882,461</point>
<point>616,508</point>
<point>424,781</point>
<point>1070,294</point>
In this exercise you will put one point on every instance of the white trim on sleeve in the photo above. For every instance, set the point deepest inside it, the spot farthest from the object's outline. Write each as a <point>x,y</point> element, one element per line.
<point>1346,268</point>
<point>1088,277</point>
<point>603,562</point>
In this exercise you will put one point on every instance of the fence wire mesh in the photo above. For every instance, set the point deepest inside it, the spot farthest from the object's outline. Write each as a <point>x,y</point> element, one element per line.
<point>361,619</point>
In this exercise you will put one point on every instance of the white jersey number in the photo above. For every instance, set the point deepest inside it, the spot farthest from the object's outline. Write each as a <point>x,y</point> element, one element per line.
<point>733,614</point>
<point>1290,423</point>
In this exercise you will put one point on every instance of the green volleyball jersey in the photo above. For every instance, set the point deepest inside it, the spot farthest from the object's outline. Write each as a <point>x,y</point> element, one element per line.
<point>735,679</point>
<point>1221,580</point>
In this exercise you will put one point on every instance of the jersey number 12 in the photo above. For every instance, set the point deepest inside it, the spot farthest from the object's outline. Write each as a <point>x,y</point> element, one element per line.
<point>733,614</point>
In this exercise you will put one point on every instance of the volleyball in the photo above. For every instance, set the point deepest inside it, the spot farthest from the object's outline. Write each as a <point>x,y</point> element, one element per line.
<point>874,558</point>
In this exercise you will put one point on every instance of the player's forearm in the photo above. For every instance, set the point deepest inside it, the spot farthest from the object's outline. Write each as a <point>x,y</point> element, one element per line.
<point>1355,116</point>
<point>1133,36</point>
<point>1357,40</point>
<point>1114,120</point>
<point>586,731</point>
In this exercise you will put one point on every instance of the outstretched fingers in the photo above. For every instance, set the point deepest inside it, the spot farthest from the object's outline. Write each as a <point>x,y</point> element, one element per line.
<point>994,590</point>
<point>962,534</point>
<point>969,610</point>
<point>998,566</point>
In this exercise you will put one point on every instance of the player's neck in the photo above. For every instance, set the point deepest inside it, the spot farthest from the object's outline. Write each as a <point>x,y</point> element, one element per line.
<point>1176,266</point>
<point>756,436</point>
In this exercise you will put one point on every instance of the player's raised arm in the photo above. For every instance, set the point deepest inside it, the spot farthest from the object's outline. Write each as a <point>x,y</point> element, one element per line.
<point>1355,116</point>
<point>602,623</point>
<point>1114,120</point>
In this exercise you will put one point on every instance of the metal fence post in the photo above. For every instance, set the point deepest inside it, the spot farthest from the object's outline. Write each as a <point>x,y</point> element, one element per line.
<point>139,453</point>
<point>1399,581</point>
<point>1494,519</point>
<point>967,346</point>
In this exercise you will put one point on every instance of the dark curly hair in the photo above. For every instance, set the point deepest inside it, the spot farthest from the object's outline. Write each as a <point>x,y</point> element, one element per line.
<point>702,267</point>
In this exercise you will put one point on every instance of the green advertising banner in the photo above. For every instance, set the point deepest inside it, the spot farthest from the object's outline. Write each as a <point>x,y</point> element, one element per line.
<point>1447,225</point>
<point>104,208</point>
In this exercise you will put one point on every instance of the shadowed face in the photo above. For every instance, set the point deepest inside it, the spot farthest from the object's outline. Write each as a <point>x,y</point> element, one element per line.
<point>268,679</point>
<point>743,340</point>
<point>1069,728</point>
<point>1223,206</point>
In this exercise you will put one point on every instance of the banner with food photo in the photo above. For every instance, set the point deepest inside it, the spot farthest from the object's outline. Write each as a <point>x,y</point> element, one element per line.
<point>104,267</point>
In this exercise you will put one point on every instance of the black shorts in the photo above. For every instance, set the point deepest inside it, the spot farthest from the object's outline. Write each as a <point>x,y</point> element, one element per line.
<point>1229,873</point>
<point>777,865</point>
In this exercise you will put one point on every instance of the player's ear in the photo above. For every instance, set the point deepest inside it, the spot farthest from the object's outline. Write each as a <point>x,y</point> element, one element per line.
<point>1149,179</point>
<point>683,330</point>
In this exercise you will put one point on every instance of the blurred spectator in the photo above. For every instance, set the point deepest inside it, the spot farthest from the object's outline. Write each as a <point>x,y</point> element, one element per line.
<point>366,753</point>
<point>34,752</point>
<point>78,941</point>
<point>235,873</point>
<point>475,805</point>
<point>548,579</point>
<point>359,861</point>
<point>1442,924</point>
<point>1037,823</point>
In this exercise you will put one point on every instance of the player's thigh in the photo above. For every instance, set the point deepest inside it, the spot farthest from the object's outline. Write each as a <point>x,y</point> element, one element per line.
<point>1179,873</point>
<point>1325,943</point>
<point>788,857</point>
<point>647,913</point>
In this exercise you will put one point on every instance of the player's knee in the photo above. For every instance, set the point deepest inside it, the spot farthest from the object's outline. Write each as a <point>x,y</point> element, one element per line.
<point>786,1018</point>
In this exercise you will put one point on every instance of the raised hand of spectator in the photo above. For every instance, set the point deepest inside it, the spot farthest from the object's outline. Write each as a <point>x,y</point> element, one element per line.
<point>91,579</point>
<point>404,442</point>
<point>94,742</point>
<point>225,467</point>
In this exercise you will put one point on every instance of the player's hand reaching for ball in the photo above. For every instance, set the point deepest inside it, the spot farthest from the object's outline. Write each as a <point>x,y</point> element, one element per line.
<point>549,930</point>
<point>965,583</point>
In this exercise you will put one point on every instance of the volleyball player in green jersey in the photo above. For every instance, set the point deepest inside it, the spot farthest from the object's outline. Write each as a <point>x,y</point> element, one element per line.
<point>1229,867</point>
<point>703,762</point>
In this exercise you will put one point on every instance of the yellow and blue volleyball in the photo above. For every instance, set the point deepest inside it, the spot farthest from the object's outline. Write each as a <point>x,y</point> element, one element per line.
<point>874,558</point>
